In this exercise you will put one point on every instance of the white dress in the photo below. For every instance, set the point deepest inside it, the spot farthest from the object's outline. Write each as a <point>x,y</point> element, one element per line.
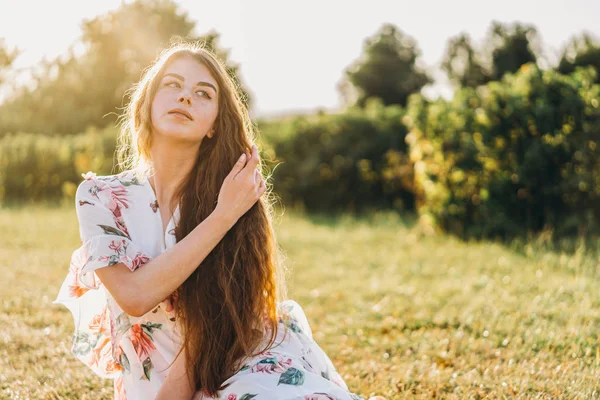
<point>119,222</point>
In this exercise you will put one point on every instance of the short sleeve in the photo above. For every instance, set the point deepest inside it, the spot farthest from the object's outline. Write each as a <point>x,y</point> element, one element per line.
<point>105,241</point>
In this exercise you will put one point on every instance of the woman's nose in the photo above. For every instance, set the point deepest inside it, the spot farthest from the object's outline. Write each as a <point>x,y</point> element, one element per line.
<point>184,98</point>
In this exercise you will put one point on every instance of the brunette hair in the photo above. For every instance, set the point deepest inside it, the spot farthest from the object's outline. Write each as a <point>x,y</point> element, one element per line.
<point>232,296</point>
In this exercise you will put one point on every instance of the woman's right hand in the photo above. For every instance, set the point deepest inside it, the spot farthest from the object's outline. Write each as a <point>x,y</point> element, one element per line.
<point>242,188</point>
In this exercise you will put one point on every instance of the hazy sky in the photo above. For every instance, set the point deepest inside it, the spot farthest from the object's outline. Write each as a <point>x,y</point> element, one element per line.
<point>293,54</point>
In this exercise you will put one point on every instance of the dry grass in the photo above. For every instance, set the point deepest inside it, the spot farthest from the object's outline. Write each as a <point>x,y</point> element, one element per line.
<point>401,315</point>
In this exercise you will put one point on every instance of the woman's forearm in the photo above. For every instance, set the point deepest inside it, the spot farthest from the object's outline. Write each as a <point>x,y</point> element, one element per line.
<point>177,385</point>
<point>139,292</point>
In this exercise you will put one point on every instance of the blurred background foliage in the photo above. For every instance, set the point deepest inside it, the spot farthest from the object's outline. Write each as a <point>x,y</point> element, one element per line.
<point>514,151</point>
<point>77,91</point>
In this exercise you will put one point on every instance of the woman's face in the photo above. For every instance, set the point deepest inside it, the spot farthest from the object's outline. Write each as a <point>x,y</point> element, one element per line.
<point>188,87</point>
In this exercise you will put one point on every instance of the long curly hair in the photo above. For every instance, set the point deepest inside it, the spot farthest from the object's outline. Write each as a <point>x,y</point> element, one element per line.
<point>229,302</point>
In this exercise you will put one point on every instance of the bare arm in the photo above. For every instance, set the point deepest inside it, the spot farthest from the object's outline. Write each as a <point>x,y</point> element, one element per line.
<point>177,385</point>
<point>139,292</point>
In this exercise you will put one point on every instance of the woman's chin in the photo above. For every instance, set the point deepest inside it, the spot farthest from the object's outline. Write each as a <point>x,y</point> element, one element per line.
<point>178,133</point>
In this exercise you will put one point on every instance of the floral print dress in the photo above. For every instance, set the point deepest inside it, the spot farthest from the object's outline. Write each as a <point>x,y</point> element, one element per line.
<point>119,222</point>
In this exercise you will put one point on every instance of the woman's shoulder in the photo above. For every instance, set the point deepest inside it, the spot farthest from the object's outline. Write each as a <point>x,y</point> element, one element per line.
<point>125,178</point>
<point>118,184</point>
<point>127,175</point>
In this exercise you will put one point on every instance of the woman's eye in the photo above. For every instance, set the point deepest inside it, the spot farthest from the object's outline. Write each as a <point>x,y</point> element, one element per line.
<point>205,93</point>
<point>176,84</point>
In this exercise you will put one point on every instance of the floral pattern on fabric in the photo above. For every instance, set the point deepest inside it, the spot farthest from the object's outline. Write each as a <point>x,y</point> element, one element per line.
<point>119,222</point>
<point>105,242</point>
<point>294,368</point>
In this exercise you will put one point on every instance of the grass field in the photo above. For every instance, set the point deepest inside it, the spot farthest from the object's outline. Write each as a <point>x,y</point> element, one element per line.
<point>401,314</point>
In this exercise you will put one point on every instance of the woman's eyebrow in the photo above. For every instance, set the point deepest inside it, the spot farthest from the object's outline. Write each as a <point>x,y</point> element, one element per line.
<point>200,83</point>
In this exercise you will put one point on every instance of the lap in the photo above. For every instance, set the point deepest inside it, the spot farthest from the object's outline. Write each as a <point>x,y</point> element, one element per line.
<point>295,367</point>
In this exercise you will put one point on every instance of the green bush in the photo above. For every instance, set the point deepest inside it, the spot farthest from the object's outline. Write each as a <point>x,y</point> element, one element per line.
<point>505,159</point>
<point>35,167</point>
<point>510,157</point>
<point>352,161</point>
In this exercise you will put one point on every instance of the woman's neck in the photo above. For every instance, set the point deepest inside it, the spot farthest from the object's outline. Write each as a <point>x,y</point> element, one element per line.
<point>171,162</point>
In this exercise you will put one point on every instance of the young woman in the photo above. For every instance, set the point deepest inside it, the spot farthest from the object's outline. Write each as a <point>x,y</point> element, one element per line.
<point>177,291</point>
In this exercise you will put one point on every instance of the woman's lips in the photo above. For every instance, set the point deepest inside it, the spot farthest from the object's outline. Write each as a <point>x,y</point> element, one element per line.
<point>179,116</point>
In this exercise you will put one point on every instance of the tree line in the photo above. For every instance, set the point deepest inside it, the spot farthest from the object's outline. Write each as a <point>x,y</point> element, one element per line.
<point>514,151</point>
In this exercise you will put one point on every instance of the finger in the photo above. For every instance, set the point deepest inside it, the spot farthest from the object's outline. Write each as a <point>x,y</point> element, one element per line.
<point>254,159</point>
<point>239,165</point>
<point>252,162</point>
<point>257,176</point>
